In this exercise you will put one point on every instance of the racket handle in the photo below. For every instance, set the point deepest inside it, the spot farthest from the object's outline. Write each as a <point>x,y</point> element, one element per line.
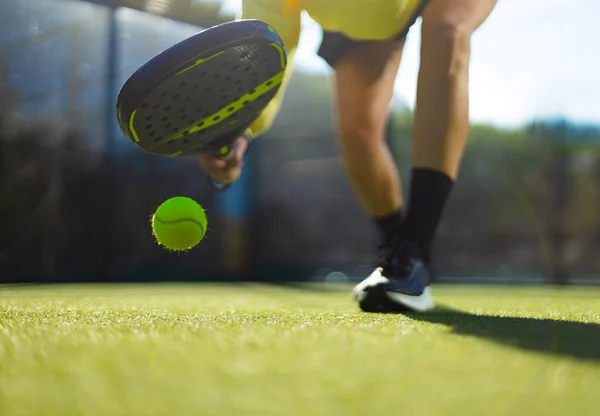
<point>226,152</point>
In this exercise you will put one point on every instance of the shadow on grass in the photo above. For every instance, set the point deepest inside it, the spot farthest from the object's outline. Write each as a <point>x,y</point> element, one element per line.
<point>567,338</point>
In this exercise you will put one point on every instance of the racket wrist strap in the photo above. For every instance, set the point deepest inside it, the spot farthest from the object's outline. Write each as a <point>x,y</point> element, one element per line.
<point>218,186</point>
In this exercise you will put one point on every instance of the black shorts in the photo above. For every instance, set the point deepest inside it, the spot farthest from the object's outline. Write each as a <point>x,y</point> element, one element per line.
<point>335,46</point>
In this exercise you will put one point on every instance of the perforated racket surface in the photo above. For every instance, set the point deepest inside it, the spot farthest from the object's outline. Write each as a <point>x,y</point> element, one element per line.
<point>202,93</point>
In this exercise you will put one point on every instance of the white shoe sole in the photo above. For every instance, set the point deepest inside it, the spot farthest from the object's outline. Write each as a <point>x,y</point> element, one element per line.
<point>421,303</point>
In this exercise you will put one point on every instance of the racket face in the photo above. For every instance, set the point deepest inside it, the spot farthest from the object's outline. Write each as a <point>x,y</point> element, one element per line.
<point>202,93</point>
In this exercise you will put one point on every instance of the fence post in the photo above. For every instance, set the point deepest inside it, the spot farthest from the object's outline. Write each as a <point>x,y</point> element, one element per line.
<point>108,159</point>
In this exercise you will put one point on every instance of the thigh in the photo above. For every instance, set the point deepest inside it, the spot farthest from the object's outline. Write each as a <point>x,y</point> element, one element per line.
<point>465,15</point>
<point>364,84</point>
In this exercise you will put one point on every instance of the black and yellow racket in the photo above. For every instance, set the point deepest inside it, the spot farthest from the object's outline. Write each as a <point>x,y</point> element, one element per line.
<point>204,92</point>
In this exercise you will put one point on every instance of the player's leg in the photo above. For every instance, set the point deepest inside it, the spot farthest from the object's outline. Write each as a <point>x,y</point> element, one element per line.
<point>440,132</point>
<point>364,86</point>
<point>441,121</point>
<point>364,80</point>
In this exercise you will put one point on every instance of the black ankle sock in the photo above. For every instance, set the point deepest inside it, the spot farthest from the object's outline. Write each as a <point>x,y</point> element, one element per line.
<point>429,191</point>
<point>389,225</point>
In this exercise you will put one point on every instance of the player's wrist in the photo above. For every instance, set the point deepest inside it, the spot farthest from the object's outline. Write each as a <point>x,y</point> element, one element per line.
<point>247,135</point>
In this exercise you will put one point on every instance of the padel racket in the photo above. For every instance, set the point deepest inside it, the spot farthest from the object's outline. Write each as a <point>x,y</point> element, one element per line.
<point>204,92</point>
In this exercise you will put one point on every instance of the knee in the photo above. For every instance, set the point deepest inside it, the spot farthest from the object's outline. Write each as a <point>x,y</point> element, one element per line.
<point>448,41</point>
<point>362,127</point>
<point>360,137</point>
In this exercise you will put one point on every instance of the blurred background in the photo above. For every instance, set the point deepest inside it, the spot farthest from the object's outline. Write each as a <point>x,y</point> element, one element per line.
<point>76,197</point>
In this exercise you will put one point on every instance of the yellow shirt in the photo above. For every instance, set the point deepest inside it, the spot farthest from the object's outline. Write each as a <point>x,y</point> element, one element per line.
<point>357,19</point>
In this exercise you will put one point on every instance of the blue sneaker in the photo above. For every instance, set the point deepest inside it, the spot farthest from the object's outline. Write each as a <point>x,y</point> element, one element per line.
<point>399,283</point>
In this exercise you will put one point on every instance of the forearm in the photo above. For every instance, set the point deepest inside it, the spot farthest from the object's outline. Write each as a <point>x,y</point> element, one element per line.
<point>268,115</point>
<point>286,23</point>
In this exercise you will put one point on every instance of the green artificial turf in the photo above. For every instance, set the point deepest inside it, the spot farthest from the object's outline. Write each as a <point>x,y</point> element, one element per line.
<point>183,349</point>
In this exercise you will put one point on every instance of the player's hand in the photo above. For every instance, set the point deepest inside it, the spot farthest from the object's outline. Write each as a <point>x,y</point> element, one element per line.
<point>226,169</point>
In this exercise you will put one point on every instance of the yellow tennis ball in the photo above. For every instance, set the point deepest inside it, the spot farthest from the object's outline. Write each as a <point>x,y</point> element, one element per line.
<point>179,223</point>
